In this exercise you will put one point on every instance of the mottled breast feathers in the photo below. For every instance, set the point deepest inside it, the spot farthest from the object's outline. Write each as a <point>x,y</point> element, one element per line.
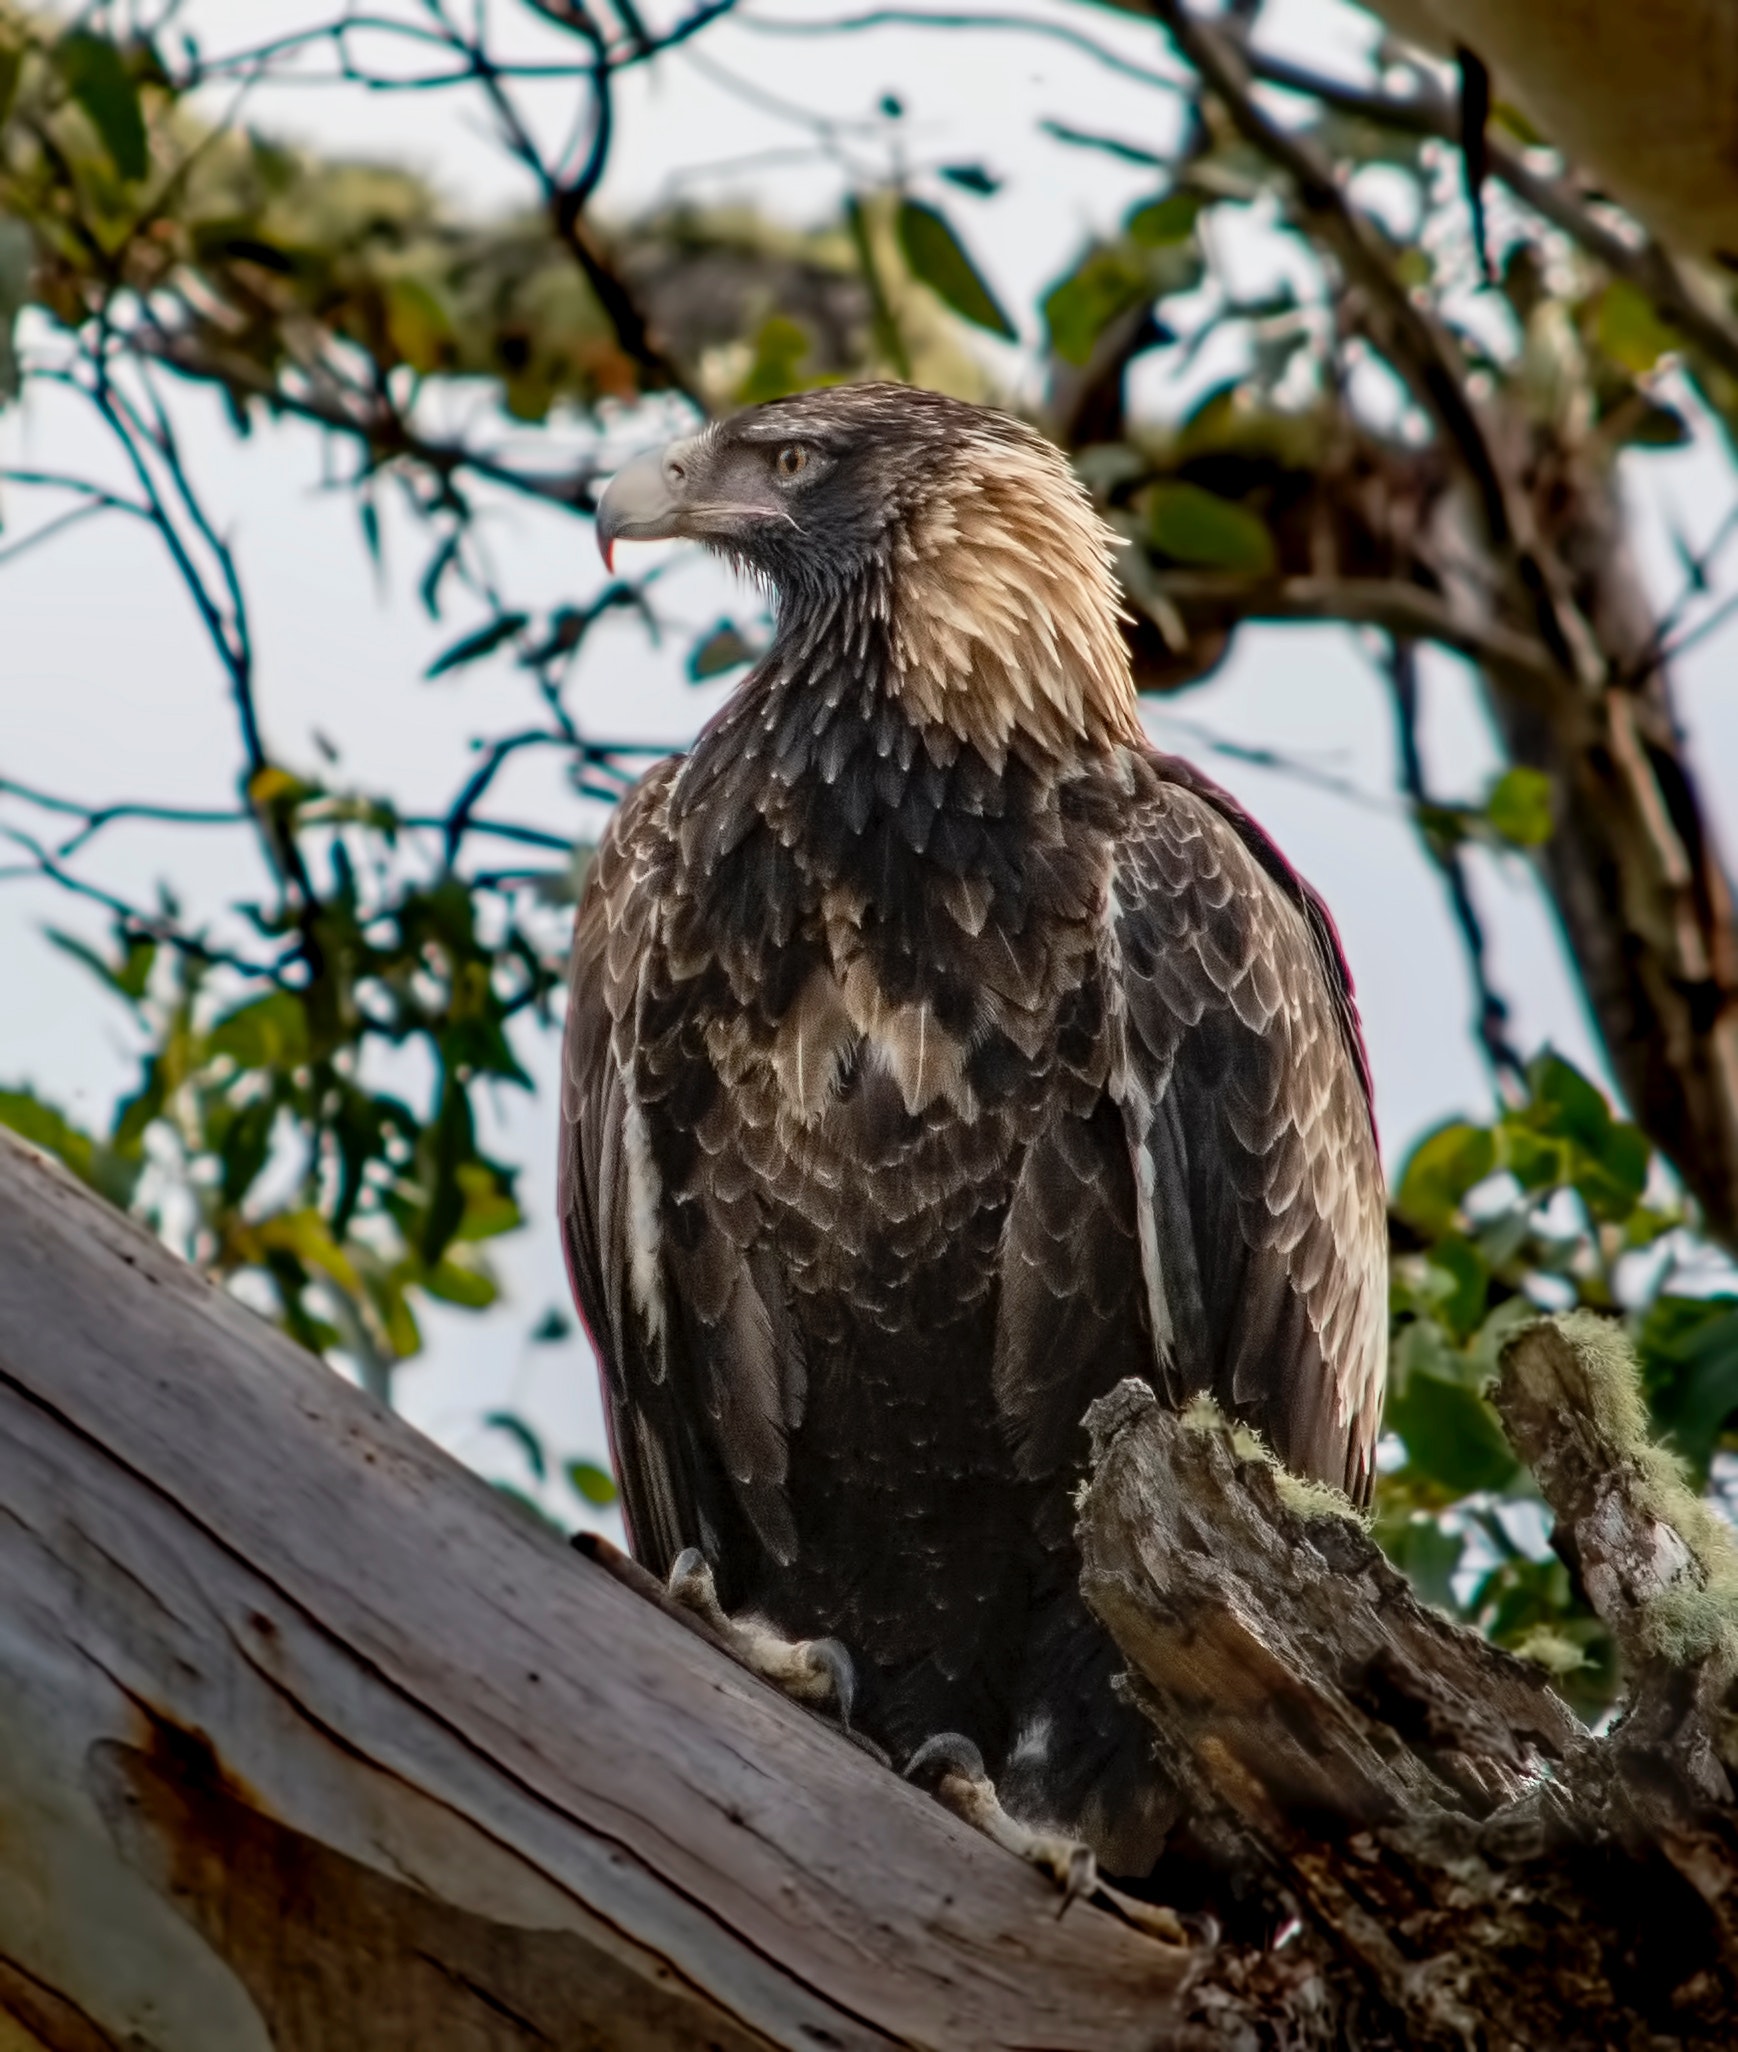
<point>868,1045</point>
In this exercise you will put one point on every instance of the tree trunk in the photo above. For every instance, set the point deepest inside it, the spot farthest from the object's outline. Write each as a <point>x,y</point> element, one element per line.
<point>1634,865</point>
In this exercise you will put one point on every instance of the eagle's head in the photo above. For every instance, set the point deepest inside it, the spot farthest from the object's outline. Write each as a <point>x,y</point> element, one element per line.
<point>948,547</point>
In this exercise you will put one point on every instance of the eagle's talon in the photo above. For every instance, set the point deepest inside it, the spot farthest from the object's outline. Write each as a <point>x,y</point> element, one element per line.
<point>831,1661</point>
<point>1069,1863</point>
<point>948,1753</point>
<point>817,1672</point>
<point>692,1586</point>
<point>952,1769</point>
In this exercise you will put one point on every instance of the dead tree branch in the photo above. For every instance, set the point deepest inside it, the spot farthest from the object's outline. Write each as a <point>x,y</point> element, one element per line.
<point>309,1741</point>
<point>1467,1864</point>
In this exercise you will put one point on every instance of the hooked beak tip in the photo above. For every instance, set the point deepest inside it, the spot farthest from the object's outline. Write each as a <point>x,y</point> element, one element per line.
<point>642,502</point>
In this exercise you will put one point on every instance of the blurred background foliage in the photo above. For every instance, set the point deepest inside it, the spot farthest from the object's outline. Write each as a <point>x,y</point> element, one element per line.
<point>1416,435</point>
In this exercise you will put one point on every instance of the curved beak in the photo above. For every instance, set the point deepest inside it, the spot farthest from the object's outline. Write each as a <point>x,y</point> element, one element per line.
<point>686,488</point>
<point>641,503</point>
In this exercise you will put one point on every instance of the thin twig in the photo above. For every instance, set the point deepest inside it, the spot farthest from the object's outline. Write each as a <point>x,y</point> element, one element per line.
<point>95,819</point>
<point>565,202</point>
<point>1492,1023</point>
<point>1413,340</point>
<point>1430,112</point>
<point>154,925</point>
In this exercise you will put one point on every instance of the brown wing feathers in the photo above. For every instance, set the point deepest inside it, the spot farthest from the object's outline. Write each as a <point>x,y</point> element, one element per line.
<point>1244,1091</point>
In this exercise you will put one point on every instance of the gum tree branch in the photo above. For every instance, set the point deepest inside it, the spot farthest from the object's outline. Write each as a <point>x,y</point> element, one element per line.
<point>1408,610</point>
<point>355,1758</point>
<point>1492,1021</point>
<point>1428,111</point>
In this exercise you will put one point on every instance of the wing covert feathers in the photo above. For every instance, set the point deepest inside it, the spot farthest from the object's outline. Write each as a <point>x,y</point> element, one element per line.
<point>1242,1082</point>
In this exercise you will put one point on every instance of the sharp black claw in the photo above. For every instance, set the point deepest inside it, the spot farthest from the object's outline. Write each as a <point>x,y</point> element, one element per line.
<point>1081,1878</point>
<point>831,1655</point>
<point>948,1752</point>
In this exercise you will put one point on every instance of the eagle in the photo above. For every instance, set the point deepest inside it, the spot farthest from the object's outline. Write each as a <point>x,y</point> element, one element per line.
<point>938,1054</point>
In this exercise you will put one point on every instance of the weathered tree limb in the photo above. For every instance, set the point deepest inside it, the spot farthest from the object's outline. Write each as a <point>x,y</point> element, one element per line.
<point>1658,1564</point>
<point>307,1740</point>
<point>1470,1867</point>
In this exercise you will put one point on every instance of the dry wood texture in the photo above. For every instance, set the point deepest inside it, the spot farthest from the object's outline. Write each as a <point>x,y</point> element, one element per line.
<point>1467,1866</point>
<point>307,1740</point>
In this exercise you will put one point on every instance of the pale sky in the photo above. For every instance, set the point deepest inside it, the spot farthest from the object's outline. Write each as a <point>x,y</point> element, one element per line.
<point>108,688</point>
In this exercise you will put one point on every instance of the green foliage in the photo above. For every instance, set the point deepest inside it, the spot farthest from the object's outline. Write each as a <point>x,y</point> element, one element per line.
<point>472,648</point>
<point>1156,255</point>
<point>97,76</point>
<point>281,1155</point>
<point>716,654</point>
<point>937,258</point>
<point>595,1485</point>
<point>1517,812</point>
<point>1518,807</point>
<point>16,254</point>
<point>110,1169</point>
<point>1689,1353</point>
<point>781,349</point>
<point>1539,1208</point>
<point>1629,331</point>
<point>1188,525</point>
<point>593,1488</point>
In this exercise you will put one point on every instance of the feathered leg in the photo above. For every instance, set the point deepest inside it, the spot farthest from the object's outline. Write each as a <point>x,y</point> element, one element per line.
<point>952,1769</point>
<point>813,1671</point>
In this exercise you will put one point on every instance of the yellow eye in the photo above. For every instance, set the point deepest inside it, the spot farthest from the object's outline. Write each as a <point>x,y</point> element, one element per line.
<point>790,459</point>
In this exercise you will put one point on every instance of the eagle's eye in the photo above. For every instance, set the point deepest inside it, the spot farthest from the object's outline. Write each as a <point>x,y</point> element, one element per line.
<point>792,458</point>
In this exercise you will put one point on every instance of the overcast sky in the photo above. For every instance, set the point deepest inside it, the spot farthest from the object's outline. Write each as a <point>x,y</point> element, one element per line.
<point>108,688</point>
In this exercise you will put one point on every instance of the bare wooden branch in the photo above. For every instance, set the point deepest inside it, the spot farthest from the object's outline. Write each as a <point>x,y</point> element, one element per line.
<point>1277,1642</point>
<point>308,1740</point>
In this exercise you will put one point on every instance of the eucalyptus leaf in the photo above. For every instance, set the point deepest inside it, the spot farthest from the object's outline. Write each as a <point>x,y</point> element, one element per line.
<point>1104,285</point>
<point>596,1485</point>
<point>472,648</point>
<point>726,648</point>
<point>96,75</point>
<point>17,254</point>
<point>1452,1434</point>
<point>1518,807</point>
<point>1191,525</point>
<point>268,1032</point>
<point>938,259</point>
<point>522,1435</point>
